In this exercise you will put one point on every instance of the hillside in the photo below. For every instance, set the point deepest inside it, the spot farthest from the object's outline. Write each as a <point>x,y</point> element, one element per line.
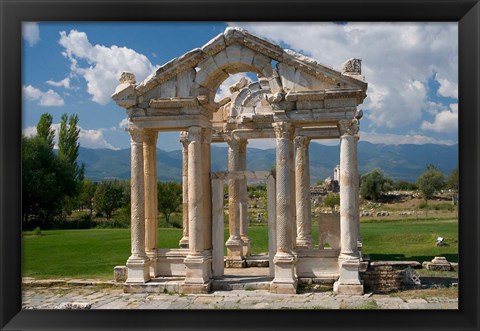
<point>401,162</point>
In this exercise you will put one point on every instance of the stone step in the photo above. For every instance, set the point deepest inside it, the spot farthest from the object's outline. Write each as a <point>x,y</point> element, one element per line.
<point>229,283</point>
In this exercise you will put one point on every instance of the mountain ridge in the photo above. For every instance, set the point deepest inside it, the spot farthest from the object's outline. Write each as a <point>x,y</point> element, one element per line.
<point>400,162</point>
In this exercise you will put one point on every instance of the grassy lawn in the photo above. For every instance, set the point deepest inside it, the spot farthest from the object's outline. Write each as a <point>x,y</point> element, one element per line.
<point>93,253</point>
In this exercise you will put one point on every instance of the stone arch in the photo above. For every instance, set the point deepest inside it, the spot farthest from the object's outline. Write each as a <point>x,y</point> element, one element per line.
<point>236,58</point>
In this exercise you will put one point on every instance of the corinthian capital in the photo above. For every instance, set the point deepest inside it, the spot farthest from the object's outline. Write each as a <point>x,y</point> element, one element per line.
<point>151,137</point>
<point>194,133</point>
<point>302,141</point>
<point>235,143</point>
<point>348,127</point>
<point>283,130</point>
<point>137,135</point>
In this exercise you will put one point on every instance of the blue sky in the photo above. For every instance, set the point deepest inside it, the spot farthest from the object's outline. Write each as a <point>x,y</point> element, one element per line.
<point>411,68</point>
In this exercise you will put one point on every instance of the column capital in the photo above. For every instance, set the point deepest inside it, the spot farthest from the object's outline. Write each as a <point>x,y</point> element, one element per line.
<point>302,141</point>
<point>348,127</point>
<point>137,135</point>
<point>284,130</point>
<point>236,143</point>
<point>194,133</point>
<point>206,135</point>
<point>150,137</point>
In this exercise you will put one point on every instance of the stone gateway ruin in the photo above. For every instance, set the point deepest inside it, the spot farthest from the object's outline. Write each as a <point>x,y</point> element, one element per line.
<point>294,101</point>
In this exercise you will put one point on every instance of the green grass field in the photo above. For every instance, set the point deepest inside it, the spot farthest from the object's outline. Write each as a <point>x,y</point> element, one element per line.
<point>93,253</point>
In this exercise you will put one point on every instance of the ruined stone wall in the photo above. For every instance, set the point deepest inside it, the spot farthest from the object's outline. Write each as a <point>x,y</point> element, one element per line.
<point>388,276</point>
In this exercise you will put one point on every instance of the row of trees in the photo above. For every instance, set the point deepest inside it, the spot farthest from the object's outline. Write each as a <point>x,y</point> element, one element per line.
<point>51,180</point>
<point>375,184</point>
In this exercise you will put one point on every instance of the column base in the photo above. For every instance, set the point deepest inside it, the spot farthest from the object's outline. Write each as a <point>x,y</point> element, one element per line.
<point>196,288</point>
<point>152,255</point>
<point>246,248</point>
<point>349,281</point>
<point>234,249</point>
<point>285,281</point>
<point>138,269</point>
<point>198,269</point>
<point>183,243</point>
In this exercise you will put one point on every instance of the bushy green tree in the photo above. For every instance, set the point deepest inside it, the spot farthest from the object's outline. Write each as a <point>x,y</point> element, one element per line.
<point>452,181</point>
<point>109,196</point>
<point>430,182</point>
<point>46,181</point>
<point>87,192</point>
<point>44,129</point>
<point>374,184</point>
<point>169,198</point>
<point>331,200</point>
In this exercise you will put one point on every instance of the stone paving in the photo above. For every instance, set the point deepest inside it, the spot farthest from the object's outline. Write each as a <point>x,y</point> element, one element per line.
<point>97,295</point>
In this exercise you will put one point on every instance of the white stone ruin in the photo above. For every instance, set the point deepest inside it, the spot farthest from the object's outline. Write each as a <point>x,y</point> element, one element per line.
<point>294,101</point>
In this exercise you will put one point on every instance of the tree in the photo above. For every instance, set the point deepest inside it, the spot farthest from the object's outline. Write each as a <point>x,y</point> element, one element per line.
<point>331,200</point>
<point>44,129</point>
<point>452,181</point>
<point>68,146</point>
<point>108,197</point>
<point>430,182</point>
<point>374,184</point>
<point>46,181</point>
<point>169,198</point>
<point>87,192</point>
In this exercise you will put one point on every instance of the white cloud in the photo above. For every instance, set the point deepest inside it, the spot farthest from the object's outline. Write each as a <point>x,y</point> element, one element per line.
<point>396,139</point>
<point>445,121</point>
<point>64,82</point>
<point>29,131</point>
<point>397,60</point>
<point>123,123</point>
<point>92,138</point>
<point>46,99</point>
<point>31,33</point>
<point>105,64</point>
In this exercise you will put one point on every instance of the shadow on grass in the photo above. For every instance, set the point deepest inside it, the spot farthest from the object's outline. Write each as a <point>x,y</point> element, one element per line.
<point>420,258</point>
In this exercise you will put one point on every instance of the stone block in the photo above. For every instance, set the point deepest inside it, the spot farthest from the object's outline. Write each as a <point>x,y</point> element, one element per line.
<point>169,88</point>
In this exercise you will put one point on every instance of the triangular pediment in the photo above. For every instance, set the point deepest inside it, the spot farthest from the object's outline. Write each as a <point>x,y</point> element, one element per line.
<point>245,52</point>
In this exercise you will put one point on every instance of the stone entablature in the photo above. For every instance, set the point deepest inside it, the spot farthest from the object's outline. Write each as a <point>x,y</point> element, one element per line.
<point>295,101</point>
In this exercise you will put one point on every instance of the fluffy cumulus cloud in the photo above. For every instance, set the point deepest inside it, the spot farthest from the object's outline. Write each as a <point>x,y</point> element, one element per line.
<point>445,121</point>
<point>104,65</point>
<point>49,98</point>
<point>92,138</point>
<point>31,33</point>
<point>397,60</point>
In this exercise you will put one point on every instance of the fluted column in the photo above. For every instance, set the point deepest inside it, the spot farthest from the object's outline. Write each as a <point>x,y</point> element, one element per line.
<point>349,262</point>
<point>302,192</point>
<point>207,189</point>
<point>195,191</point>
<point>151,199</point>
<point>348,189</point>
<point>242,182</point>
<point>285,279</point>
<point>234,243</point>
<point>184,141</point>
<point>198,263</point>
<point>138,263</point>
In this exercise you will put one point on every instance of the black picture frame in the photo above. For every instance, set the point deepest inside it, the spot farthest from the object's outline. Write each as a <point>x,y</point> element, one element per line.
<point>13,12</point>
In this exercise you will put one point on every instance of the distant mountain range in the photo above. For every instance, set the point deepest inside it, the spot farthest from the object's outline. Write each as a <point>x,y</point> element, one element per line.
<point>400,162</point>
